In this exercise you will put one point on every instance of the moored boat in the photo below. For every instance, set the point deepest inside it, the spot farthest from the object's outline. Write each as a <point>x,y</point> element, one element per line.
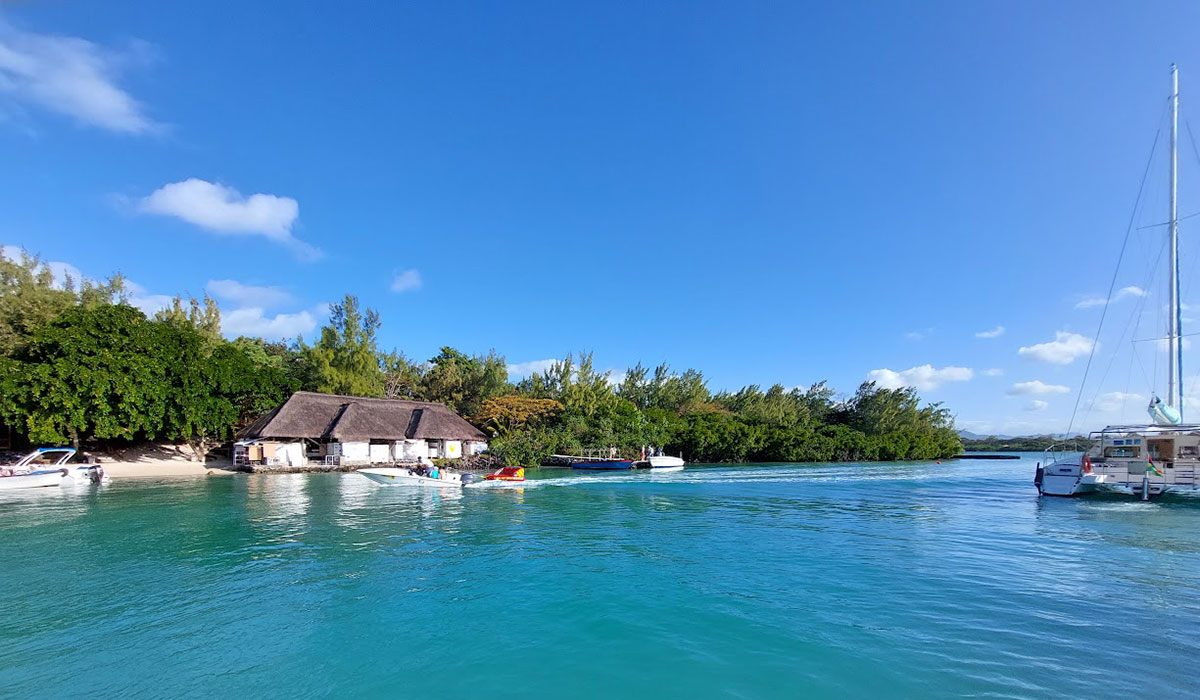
<point>49,466</point>
<point>1149,459</point>
<point>661,463</point>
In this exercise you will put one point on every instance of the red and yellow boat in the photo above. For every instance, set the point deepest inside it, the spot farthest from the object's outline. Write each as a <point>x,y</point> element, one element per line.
<point>507,474</point>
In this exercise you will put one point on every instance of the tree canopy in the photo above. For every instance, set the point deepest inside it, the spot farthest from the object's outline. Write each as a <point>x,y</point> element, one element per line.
<point>78,364</point>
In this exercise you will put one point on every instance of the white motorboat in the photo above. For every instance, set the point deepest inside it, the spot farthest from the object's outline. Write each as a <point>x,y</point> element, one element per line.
<point>49,466</point>
<point>1150,459</point>
<point>401,476</point>
<point>662,463</point>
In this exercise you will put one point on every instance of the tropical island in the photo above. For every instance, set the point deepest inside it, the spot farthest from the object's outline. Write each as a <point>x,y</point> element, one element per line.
<point>79,365</point>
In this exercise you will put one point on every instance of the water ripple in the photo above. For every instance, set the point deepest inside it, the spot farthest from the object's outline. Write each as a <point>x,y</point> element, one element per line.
<point>882,580</point>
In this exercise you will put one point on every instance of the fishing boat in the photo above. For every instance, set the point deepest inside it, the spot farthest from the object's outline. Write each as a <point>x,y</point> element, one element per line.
<point>507,474</point>
<point>603,464</point>
<point>1147,459</point>
<point>49,466</point>
<point>401,476</point>
<point>661,463</point>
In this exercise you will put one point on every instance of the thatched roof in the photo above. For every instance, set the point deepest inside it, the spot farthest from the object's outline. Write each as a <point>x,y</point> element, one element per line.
<point>358,419</point>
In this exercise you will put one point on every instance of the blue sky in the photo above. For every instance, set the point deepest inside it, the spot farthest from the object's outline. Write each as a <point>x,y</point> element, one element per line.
<point>769,192</point>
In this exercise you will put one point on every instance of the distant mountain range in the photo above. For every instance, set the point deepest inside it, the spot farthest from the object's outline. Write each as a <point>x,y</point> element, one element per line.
<point>968,435</point>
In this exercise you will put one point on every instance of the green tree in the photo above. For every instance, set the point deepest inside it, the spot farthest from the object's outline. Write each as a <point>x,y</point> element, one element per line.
<point>204,317</point>
<point>402,379</point>
<point>30,298</point>
<point>345,359</point>
<point>91,372</point>
<point>463,383</point>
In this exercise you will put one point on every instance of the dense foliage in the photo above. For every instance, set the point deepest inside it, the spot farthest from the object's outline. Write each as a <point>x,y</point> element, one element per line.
<point>78,364</point>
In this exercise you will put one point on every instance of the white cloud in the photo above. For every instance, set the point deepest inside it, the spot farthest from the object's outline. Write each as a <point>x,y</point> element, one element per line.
<point>253,321</point>
<point>223,209</point>
<point>1061,351</point>
<point>994,333</point>
<point>139,297</point>
<point>405,281</point>
<point>1116,400</point>
<point>1037,388</point>
<point>1122,293</point>
<point>71,76</point>
<point>915,335</point>
<point>923,377</point>
<point>993,372</point>
<point>519,370</point>
<point>248,295</point>
<point>1164,346</point>
<point>1036,405</point>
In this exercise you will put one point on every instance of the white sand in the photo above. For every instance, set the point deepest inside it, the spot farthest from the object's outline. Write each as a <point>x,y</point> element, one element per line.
<point>157,461</point>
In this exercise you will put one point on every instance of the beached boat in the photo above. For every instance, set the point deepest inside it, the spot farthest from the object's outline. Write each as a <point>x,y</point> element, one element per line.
<point>49,466</point>
<point>1155,458</point>
<point>400,476</point>
<point>507,474</point>
<point>603,464</point>
<point>661,463</point>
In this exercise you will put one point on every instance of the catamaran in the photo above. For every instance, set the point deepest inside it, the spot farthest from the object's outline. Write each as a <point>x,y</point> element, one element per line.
<point>1143,460</point>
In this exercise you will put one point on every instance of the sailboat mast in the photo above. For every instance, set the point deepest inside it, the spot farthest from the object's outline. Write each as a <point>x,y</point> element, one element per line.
<point>1175,347</point>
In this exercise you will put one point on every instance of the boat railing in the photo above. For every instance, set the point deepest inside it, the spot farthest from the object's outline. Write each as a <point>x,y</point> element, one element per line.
<point>1056,452</point>
<point>1115,430</point>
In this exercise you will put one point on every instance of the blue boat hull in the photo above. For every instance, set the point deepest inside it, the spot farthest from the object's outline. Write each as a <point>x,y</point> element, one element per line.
<point>605,465</point>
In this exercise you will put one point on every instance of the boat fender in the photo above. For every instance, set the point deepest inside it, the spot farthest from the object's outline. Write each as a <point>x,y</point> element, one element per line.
<point>1087,465</point>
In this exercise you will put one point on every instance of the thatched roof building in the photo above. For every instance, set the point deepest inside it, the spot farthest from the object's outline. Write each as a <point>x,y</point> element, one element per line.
<point>330,418</point>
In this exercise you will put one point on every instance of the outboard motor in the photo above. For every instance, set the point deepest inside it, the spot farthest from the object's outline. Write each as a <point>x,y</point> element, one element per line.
<point>1037,476</point>
<point>469,479</point>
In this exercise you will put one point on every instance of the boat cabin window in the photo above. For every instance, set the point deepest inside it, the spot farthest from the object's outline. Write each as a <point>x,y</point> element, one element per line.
<point>1160,449</point>
<point>1122,451</point>
<point>1189,451</point>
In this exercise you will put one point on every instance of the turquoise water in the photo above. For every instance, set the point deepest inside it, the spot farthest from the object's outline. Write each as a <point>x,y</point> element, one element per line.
<point>883,580</point>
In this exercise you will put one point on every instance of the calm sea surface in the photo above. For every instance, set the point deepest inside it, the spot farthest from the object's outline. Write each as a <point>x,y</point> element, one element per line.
<point>884,580</point>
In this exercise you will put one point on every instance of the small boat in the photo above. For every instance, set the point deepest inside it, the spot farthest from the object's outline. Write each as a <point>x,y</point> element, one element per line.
<point>400,476</point>
<point>603,464</point>
<point>49,466</point>
<point>507,474</point>
<point>661,463</point>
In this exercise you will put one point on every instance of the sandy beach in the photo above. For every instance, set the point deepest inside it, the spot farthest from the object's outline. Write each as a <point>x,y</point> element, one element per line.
<point>160,461</point>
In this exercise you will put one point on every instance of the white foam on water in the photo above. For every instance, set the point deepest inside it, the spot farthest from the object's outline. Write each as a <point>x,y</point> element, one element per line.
<point>757,475</point>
